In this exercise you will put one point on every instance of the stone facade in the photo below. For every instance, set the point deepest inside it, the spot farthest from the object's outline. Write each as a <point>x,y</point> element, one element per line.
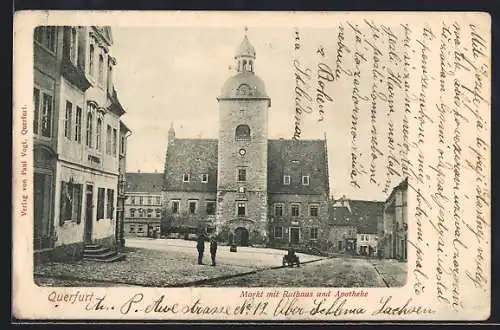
<point>76,128</point>
<point>393,230</point>
<point>143,204</point>
<point>246,174</point>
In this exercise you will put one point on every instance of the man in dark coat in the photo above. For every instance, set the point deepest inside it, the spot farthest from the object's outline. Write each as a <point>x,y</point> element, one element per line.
<point>213,249</point>
<point>200,246</point>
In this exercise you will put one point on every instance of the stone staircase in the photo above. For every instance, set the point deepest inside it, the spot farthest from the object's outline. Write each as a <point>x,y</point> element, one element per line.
<point>96,252</point>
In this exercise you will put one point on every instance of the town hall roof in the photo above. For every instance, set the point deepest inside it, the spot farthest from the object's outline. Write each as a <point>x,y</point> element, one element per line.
<point>195,157</point>
<point>285,157</point>
<point>144,182</point>
<point>297,158</point>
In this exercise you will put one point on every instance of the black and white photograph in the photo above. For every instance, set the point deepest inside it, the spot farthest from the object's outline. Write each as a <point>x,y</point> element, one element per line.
<point>173,170</point>
<point>313,160</point>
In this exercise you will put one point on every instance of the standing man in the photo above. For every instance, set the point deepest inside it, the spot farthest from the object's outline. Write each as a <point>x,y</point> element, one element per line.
<point>213,249</point>
<point>200,246</point>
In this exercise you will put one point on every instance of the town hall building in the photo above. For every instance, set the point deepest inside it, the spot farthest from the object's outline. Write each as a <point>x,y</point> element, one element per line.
<point>243,186</point>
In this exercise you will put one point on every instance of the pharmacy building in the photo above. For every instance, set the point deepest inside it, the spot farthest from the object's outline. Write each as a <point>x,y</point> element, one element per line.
<point>243,187</point>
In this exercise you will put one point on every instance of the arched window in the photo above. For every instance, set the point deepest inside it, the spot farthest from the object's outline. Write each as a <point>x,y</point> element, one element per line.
<point>242,132</point>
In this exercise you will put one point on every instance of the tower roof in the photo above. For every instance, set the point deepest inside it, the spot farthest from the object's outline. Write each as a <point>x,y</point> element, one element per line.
<point>245,49</point>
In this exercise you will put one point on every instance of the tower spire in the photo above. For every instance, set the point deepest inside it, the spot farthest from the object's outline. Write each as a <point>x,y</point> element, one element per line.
<point>245,55</point>
<point>171,133</point>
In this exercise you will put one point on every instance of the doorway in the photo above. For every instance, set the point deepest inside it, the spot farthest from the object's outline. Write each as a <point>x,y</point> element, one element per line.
<point>294,235</point>
<point>89,199</point>
<point>42,201</point>
<point>241,236</point>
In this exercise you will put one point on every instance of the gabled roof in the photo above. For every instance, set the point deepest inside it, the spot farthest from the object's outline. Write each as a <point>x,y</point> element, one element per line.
<point>360,208</point>
<point>195,157</point>
<point>364,214</point>
<point>297,158</point>
<point>144,182</point>
<point>368,228</point>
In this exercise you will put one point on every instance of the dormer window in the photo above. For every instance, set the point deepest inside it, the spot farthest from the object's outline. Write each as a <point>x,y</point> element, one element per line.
<point>286,180</point>
<point>305,180</point>
<point>241,190</point>
<point>185,177</point>
<point>204,178</point>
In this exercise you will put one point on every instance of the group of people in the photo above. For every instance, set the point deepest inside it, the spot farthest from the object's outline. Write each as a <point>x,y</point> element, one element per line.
<point>200,246</point>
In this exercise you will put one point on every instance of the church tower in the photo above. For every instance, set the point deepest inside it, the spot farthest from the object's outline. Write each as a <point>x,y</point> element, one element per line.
<point>242,152</point>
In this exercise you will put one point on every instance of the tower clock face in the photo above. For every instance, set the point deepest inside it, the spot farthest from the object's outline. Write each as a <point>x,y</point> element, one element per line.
<point>242,152</point>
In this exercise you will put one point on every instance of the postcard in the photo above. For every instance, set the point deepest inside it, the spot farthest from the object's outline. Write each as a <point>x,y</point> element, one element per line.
<point>274,166</point>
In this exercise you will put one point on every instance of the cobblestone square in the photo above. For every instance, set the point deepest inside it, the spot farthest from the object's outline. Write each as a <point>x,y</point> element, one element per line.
<point>163,263</point>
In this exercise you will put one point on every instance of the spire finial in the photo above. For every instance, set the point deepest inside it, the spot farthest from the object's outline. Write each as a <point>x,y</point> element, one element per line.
<point>246,30</point>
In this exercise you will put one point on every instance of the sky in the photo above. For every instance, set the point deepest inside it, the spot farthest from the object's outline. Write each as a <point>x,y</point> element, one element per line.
<point>173,75</point>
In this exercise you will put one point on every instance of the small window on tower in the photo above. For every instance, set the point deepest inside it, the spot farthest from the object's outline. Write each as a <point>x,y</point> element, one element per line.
<point>185,177</point>
<point>241,209</point>
<point>204,178</point>
<point>242,132</point>
<point>242,174</point>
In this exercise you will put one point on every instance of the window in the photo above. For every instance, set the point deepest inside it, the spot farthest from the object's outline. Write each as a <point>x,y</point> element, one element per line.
<point>78,125</point>
<point>132,229</point>
<point>108,140</point>
<point>204,178</point>
<point>278,210</point>
<point>150,213</point>
<point>141,213</point>
<point>278,232</point>
<point>158,213</point>
<point>115,141</point>
<point>110,207</point>
<point>175,207</point>
<point>140,200</point>
<point>91,59</point>
<point>89,128</point>
<point>305,180</point>
<point>192,207</point>
<point>241,209</point>
<point>150,200</point>
<point>158,200</point>
<point>46,36</point>
<point>314,233</point>
<point>286,180</point>
<point>132,213</point>
<point>71,202</point>
<point>132,200</point>
<point>101,70</point>
<point>67,119</point>
<point>242,132</point>
<point>98,134</point>
<point>73,46</point>
<point>122,144</point>
<point>110,75</point>
<point>43,103</point>
<point>313,210</point>
<point>295,210</point>
<point>242,174</point>
<point>210,208</point>
<point>140,229</point>
<point>100,203</point>
<point>185,177</point>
